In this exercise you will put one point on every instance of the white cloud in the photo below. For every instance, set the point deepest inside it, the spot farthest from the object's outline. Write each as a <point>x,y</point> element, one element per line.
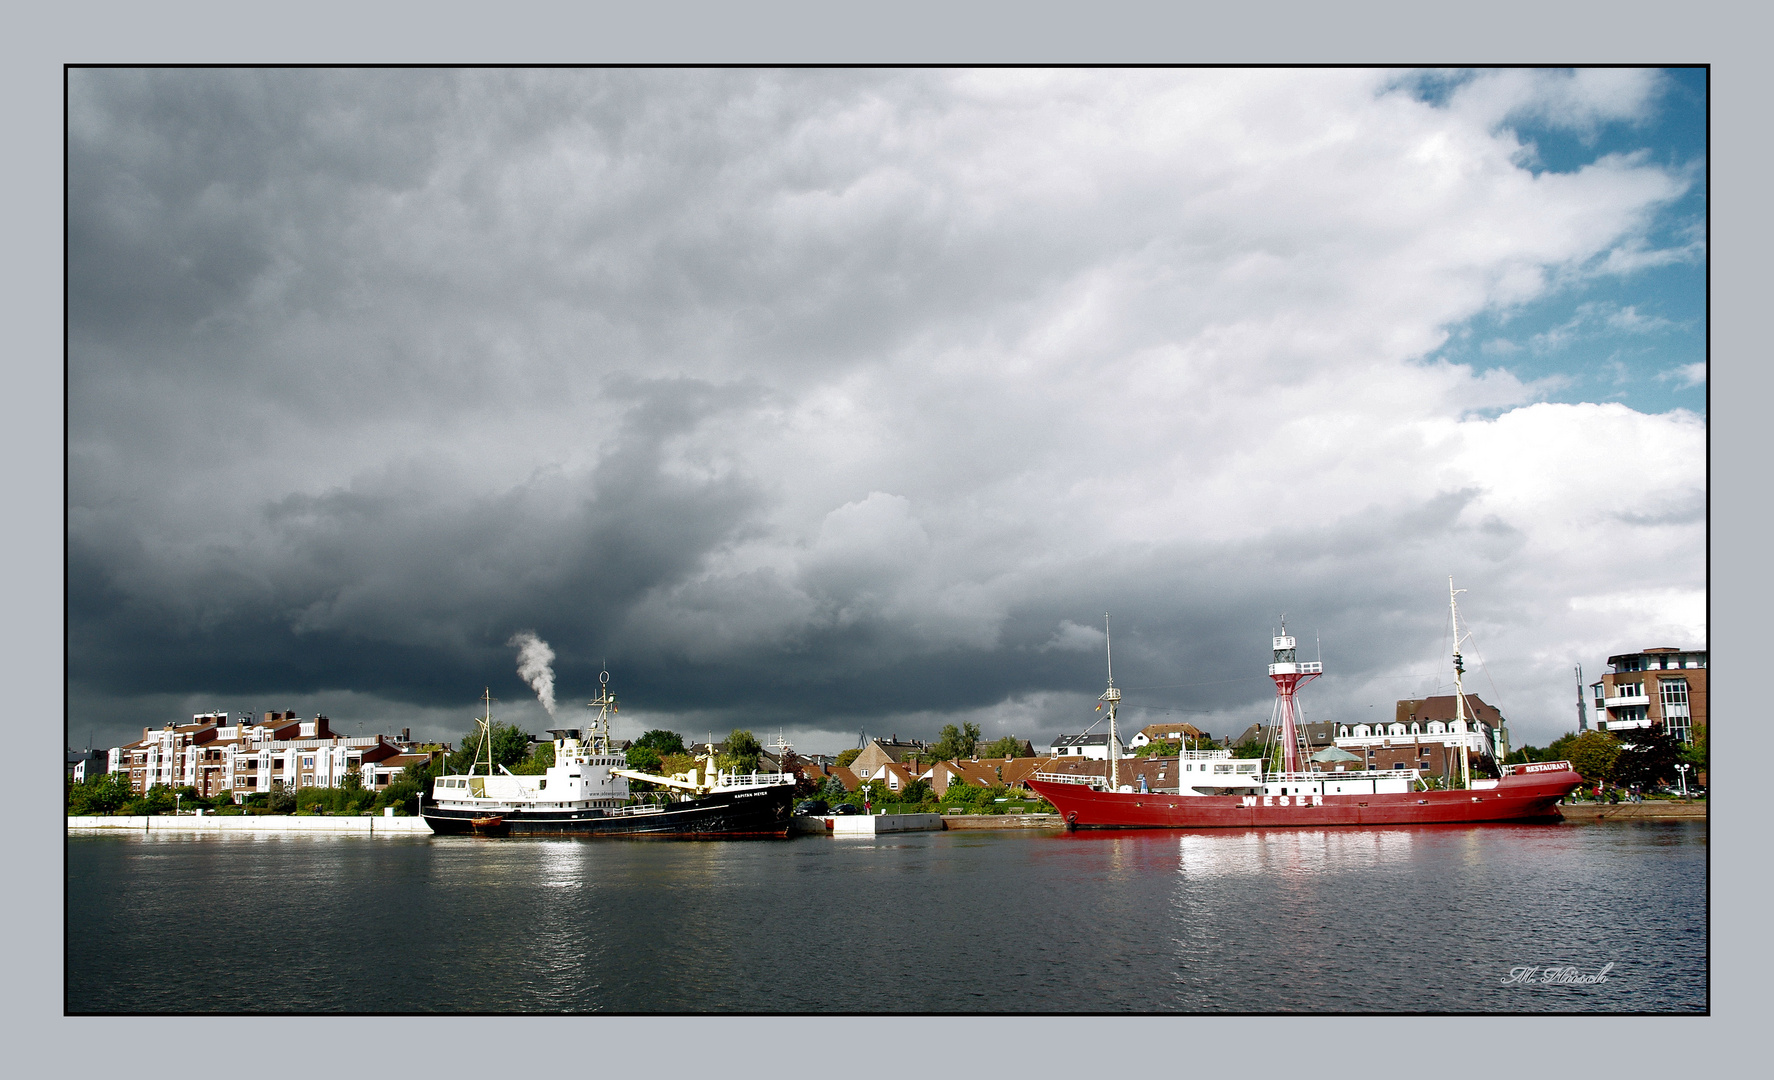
<point>1579,98</point>
<point>1687,375</point>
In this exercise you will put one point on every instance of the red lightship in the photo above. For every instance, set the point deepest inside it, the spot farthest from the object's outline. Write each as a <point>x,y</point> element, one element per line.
<point>1216,790</point>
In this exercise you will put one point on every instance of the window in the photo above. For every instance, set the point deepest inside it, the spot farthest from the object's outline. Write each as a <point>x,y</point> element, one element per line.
<point>1677,718</point>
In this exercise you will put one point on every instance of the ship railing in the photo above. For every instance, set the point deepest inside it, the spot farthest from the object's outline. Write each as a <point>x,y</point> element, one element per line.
<point>1365,774</point>
<point>1071,778</point>
<point>1532,767</point>
<point>755,779</point>
<point>638,808</point>
<point>1206,755</point>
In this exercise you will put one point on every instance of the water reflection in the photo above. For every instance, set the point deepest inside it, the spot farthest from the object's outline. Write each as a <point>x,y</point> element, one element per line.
<point>938,922</point>
<point>1293,851</point>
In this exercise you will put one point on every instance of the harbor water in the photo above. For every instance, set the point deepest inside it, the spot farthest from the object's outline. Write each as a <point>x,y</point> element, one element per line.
<point>1523,918</point>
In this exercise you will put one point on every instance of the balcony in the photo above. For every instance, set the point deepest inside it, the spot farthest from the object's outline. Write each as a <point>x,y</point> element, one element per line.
<point>1624,701</point>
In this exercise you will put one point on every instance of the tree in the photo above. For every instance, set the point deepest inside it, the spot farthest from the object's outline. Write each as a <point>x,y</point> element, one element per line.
<point>962,792</point>
<point>1649,758</point>
<point>511,746</point>
<point>673,764</point>
<point>106,793</point>
<point>541,760</point>
<point>953,744</point>
<point>845,757</point>
<point>281,800</point>
<point>662,742</point>
<point>403,791</point>
<point>644,759</point>
<point>918,791</point>
<point>1158,748</point>
<point>742,752</point>
<point>1560,748</point>
<point>1249,748</point>
<point>1007,747</point>
<point>1694,753</point>
<point>875,793</point>
<point>1593,754</point>
<point>834,790</point>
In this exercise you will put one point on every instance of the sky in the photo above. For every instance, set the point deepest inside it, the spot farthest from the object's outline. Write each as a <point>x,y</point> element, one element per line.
<point>830,401</point>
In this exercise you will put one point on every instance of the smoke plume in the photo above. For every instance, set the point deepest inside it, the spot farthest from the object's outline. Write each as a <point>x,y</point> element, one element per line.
<point>535,665</point>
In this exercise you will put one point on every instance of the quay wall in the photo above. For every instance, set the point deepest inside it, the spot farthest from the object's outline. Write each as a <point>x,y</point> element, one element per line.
<point>1003,821</point>
<point>232,823</point>
<point>1654,810</point>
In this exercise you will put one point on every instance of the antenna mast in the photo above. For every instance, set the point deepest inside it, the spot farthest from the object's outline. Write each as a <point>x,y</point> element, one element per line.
<point>605,704</point>
<point>1582,709</point>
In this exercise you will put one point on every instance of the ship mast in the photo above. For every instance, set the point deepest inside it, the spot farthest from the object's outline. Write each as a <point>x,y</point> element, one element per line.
<point>486,737</point>
<point>1459,687</point>
<point>605,704</point>
<point>1112,697</point>
<point>1289,675</point>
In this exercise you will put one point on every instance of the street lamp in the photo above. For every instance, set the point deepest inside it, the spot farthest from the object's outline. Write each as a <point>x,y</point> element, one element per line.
<point>1682,771</point>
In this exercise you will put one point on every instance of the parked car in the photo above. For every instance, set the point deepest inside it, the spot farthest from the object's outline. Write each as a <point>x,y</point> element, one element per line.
<point>844,808</point>
<point>811,806</point>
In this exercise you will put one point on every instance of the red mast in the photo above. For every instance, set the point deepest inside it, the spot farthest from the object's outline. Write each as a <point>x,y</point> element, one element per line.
<point>1289,675</point>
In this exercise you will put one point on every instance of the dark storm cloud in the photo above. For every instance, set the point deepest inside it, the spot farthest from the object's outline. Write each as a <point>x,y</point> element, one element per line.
<point>397,584</point>
<point>823,398</point>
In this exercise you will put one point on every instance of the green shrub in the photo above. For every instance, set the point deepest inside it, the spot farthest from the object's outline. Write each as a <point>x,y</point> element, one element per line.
<point>103,794</point>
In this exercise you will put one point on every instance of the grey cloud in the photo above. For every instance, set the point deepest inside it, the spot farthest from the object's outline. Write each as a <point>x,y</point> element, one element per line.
<point>804,397</point>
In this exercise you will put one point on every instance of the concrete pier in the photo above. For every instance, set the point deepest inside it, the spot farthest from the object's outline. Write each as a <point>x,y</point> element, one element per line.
<point>865,824</point>
<point>246,823</point>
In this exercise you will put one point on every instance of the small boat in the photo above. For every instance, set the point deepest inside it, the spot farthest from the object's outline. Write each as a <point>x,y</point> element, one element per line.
<point>1215,790</point>
<point>586,793</point>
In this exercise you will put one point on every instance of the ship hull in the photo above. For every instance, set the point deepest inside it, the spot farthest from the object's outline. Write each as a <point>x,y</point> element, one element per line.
<point>761,813</point>
<point>1515,798</point>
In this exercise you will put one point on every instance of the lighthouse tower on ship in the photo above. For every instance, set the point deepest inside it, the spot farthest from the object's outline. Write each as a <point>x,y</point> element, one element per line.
<point>1289,675</point>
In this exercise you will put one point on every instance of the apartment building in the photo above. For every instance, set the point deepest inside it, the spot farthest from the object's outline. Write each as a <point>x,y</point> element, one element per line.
<point>278,750</point>
<point>1427,734</point>
<point>1664,686</point>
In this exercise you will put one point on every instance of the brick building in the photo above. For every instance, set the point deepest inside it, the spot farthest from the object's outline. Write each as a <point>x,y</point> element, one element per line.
<point>1169,732</point>
<point>1664,686</point>
<point>1426,734</point>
